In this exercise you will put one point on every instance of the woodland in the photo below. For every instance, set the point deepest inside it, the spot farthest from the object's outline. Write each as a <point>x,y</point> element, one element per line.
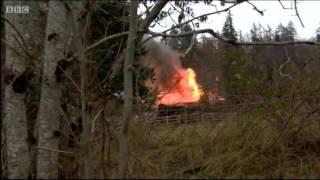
<point>89,91</point>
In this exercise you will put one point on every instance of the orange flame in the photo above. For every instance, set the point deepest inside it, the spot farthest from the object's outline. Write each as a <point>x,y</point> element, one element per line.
<point>186,89</point>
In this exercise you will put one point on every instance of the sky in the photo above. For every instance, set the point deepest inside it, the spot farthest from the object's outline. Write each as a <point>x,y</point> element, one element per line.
<point>244,16</point>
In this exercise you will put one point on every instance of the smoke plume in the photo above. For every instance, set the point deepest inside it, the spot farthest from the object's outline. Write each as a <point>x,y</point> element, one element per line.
<point>165,62</point>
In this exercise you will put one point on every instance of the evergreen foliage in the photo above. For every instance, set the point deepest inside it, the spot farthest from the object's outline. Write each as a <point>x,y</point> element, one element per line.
<point>228,29</point>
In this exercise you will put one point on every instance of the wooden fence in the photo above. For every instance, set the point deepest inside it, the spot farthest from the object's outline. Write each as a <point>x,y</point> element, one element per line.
<point>222,112</point>
<point>187,118</point>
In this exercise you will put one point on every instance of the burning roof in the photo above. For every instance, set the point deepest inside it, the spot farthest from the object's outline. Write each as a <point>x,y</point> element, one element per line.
<point>176,84</point>
<point>184,90</point>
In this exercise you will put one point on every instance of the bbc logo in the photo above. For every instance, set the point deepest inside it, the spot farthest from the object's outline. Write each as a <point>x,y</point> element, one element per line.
<point>17,9</point>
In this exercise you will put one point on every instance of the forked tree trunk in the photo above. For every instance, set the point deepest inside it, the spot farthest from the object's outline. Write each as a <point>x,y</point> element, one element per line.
<point>49,108</point>
<point>129,57</point>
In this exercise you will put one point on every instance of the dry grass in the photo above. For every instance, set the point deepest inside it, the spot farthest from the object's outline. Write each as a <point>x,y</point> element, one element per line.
<point>246,146</point>
<point>238,148</point>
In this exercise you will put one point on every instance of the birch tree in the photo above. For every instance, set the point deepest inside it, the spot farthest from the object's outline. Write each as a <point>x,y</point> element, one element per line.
<point>15,120</point>
<point>22,53</point>
<point>48,116</point>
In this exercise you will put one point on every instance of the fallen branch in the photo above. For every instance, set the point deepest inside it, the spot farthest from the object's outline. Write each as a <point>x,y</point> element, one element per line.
<point>285,63</point>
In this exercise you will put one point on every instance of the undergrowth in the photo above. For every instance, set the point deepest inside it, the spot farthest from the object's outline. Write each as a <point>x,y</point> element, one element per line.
<point>248,145</point>
<point>244,147</point>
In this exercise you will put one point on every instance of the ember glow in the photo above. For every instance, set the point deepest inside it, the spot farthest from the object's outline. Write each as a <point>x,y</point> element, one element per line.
<point>185,89</point>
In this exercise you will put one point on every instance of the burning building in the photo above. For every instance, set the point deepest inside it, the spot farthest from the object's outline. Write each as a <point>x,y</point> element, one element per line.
<point>179,90</point>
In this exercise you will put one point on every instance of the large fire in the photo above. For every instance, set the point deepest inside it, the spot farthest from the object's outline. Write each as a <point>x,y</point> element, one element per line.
<point>185,89</point>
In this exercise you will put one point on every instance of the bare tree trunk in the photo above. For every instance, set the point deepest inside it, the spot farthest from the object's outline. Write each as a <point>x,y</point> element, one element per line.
<point>21,50</point>
<point>129,57</point>
<point>35,41</point>
<point>79,25</point>
<point>3,133</point>
<point>49,110</point>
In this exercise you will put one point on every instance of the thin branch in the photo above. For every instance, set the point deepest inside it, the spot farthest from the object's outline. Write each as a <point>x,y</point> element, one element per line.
<point>203,15</point>
<point>304,120</point>
<point>297,12</point>
<point>153,14</point>
<point>56,150</point>
<point>105,39</point>
<point>147,9</point>
<point>93,127</point>
<point>261,12</point>
<point>282,5</point>
<point>198,17</point>
<point>226,40</point>
<point>70,78</point>
<point>210,31</point>
<point>175,23</point>
<point>181,11</point>
<point>14,49</point>
<point>295,8</point>
<point>22,46</point>
<point>193,41</point>
<point>156,22</point>
<point>19,34</point>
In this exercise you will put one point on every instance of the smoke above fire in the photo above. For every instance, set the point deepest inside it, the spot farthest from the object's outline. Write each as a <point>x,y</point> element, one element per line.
<point>176,84</point>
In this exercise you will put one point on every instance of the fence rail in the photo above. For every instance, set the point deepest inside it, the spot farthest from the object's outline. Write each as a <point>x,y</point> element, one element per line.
<point>187,118</point>
<point>220,112</point>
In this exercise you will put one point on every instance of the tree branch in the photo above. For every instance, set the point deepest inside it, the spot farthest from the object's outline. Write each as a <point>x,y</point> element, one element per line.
<point>24,45</point>
<point>203,15</point>
<point>282,5</point>
<point>56,150</point>
<point>297,12</point>
<point>214,34</point>
<point>226,40</point>
<point>261,12</point>
<point>295,8</point>
<point>193,41</point>
<point>105,39</point>
<point>147,9</point>
<point>153,14</point>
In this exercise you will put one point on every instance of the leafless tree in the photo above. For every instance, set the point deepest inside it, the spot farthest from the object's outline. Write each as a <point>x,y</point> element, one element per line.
<point>49,108</point>
<point>127,111</point>
<point>23,42</point>
<point>63,32</point>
